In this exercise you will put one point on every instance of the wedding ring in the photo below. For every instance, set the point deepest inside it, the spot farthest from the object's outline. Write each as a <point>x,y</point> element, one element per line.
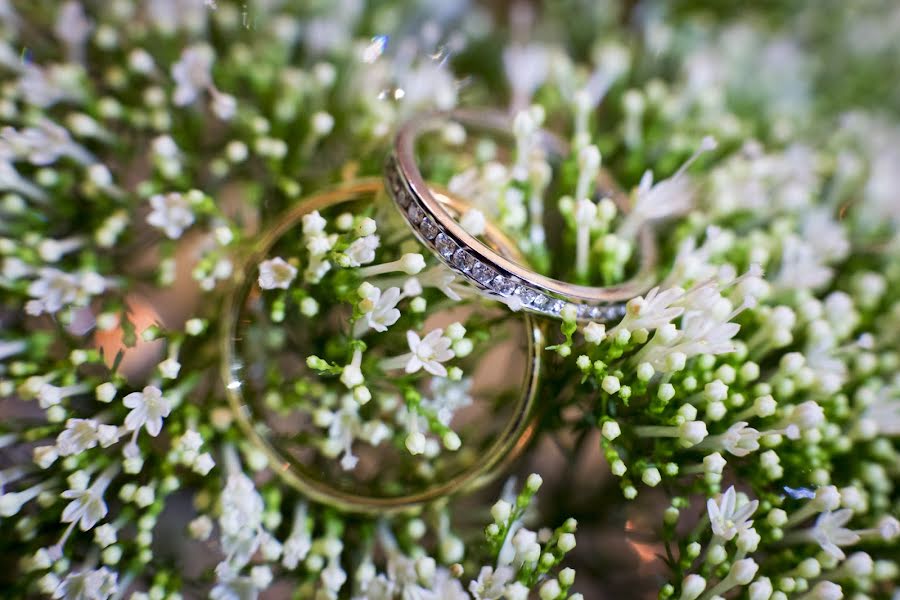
<point>485,463</point>
<point>490,272</point>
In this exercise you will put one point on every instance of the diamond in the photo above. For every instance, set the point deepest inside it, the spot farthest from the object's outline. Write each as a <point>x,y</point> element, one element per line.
<point>611,312</point>
<point>483,274</point>
<point>428,229</point>
<point>445,245</point>
<point>586,311</point>
<point>539,300</point>
<point>415,214</point>
<point>503,285</point>
<point>403,198</point>
<point>463,260</point>
<point>555,306</point>
<point>526,294</point>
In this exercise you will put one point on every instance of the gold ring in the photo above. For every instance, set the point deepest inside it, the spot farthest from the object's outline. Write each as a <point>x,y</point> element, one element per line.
<point>508,444</point>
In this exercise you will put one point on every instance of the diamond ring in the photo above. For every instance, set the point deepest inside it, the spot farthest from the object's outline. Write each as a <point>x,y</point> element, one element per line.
<point>491,273</point>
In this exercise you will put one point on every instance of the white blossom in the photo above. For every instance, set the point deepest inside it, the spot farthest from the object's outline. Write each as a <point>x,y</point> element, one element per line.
<point>43,144</point>
<point>240,520</point>
<point>149,407</point>
<point>526,67</point>
<point>276,273</point>
<point>170,213</point>
<point>362,250</point>
<point>801,266</point>
<point>299,542</point>
<point>97,584</point>
<point>384,312</point>
<point>726,519</point>
<point>54,289</point>
<point>829,532</point>
<point>79,435</point>
<point>491,583</point>
<point>192,74</point>
<point>651,311</point>
<point>87,506</point>
<point>428,353</point>
<point>73,28</point>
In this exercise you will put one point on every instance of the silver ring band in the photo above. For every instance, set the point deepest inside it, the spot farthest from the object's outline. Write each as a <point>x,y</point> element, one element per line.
<point>489,272</point>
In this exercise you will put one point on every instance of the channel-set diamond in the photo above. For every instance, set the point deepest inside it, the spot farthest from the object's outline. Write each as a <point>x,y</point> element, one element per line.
<point>428,229</point>
<point>415,214</point>
<point>463,260</point>
<point>445,246</point>
<point>503,285</point>
<point>483,274</point>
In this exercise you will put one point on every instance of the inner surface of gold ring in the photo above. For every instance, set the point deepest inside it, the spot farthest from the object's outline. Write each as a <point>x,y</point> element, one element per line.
<point>490,271</point>
<point>509,443</point>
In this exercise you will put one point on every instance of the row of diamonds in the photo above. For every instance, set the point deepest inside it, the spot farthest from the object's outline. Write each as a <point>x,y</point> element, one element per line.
<point>486,276</point>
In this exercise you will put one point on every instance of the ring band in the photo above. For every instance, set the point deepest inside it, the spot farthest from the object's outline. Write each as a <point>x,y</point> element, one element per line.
<point>493,274</point>
<point>509,443</point>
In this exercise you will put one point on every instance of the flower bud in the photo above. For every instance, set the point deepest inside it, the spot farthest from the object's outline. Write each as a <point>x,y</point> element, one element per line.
<point>691,587</point>
<point>743,571</point>
<point>501,511</point>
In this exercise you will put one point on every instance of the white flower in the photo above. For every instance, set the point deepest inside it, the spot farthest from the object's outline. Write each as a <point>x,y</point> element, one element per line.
<point>313,223</point>
<point>299,542</point>
<point>651,311</point>
<point>204,463</point>
<point>447,587</point>
<point>11,348</point>
<point>55,289</point>
<point>473,222</point>
<point>803,417</point>
<point>669,197</point>
<point>169,368</point>
<point>701,333</point>
<point>43,144</point>
<point>72,27</point>
<point>171,213</point>
<point>149,407</point>
<point>829,532</point>
<point>447,397</point>
<point>98,584</point>
<point>429,352</point>
<point>384,313</point>
<point>526,68</point>
<point>801,266</point>
<point>105,535</point>
<point>362,250</point>
<point>827,236</point>
<point>234,588</point>
<point>224,105</point>
<point>441,278</point>
<point>241,519</point>
<point>45,87</point>
<point>726,520</point>
<point>87,505</point>
<point>276,273</point>
<point>491,584</point>
<point>201,527</point>
<point>169,16</point>
<point>79,435</point>
<point>740,439</point>
<point>429,84</point>
<point>192,74</point>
